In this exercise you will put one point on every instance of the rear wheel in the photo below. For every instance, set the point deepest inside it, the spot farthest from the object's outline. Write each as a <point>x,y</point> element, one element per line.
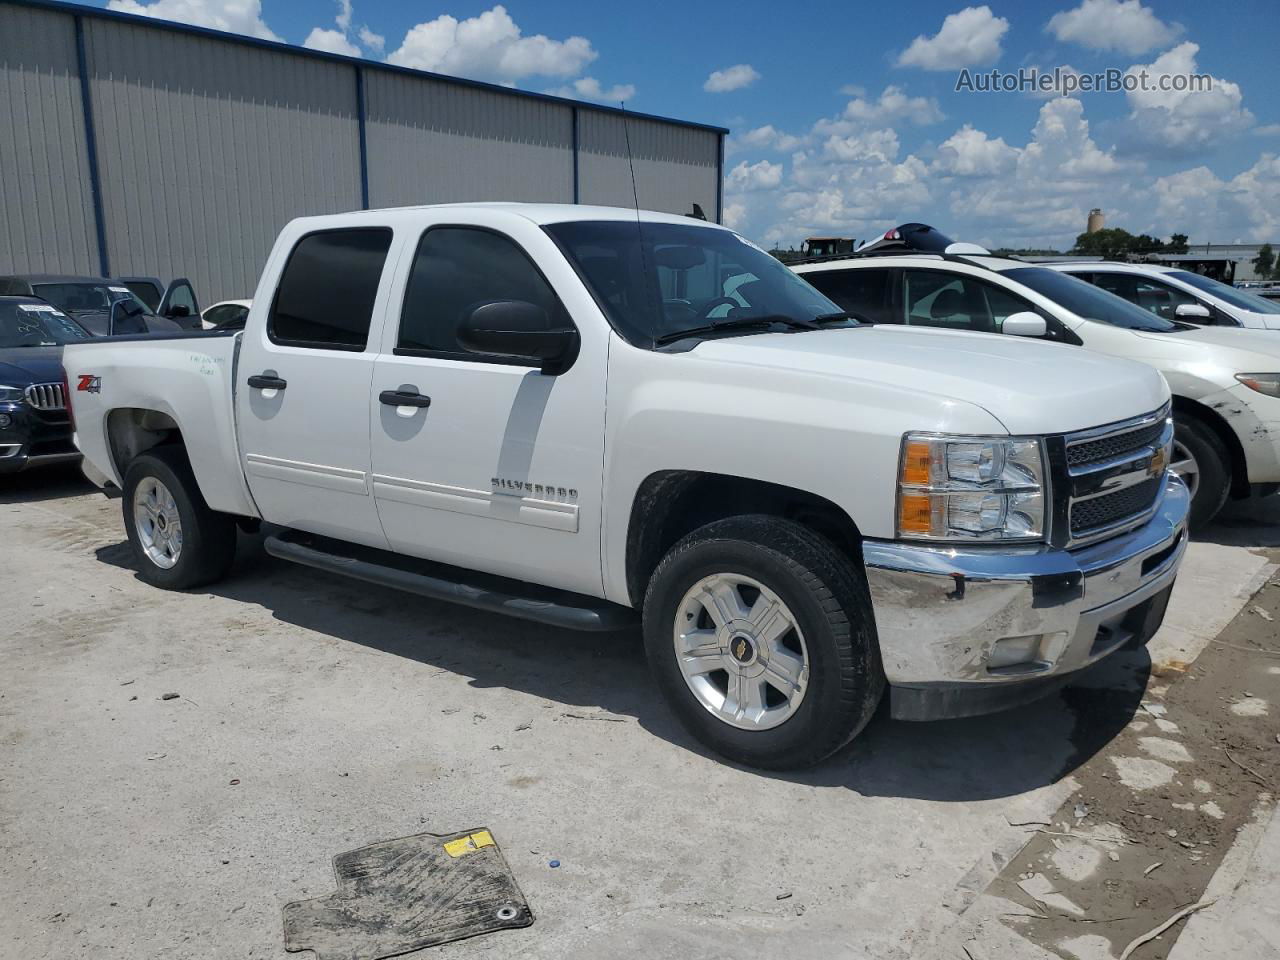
<point>178,542</point>
<point>1201,459</point>
<point>761,635</point>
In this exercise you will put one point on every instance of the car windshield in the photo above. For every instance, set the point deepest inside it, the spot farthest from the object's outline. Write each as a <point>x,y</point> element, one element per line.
<point>86,297</point>
<point>37,325</point>
<point>1085,300</point>
<point>1237,298</point>
<point>658,279</point>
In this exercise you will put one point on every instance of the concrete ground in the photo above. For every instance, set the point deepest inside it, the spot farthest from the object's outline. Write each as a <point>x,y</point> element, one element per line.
<point>316,715</point>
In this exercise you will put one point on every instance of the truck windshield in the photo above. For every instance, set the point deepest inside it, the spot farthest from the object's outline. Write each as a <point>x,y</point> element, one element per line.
<point>37,325</point>
<point>1237,298</point>
<point>1085,300</point>
<point>658,279</point>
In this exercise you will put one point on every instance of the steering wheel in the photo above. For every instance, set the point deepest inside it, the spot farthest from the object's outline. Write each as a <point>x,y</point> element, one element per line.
<point>705,312</point>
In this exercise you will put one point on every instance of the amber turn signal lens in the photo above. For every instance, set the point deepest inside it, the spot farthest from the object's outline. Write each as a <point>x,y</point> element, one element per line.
<point>915,513</point>
<point>916,459</point>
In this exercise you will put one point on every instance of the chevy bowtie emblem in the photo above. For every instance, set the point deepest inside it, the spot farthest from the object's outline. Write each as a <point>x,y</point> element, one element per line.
<point>740,649</point>
<point>1159,462</point>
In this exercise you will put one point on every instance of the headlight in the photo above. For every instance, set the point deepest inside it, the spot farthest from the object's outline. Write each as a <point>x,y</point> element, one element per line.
<point>1268,383</point>
<point>971,488</point>
<point>11,394</point>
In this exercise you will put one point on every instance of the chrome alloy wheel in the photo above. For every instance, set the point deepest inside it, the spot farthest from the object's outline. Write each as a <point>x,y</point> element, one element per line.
<point>158,525</point>
<point>741,651</point>
<point>1185,467</point>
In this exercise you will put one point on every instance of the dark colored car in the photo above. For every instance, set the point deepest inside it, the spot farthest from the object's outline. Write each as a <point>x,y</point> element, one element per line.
<point>175,300</point>
<point>89,300</point>
<point>35,427</point>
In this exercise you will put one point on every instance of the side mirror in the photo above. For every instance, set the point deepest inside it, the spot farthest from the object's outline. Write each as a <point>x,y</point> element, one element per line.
<point>1024,324</point>
<point>178,310</point>
<point>1193,313</point>
<point>518,329</point>
<point>122,310</point>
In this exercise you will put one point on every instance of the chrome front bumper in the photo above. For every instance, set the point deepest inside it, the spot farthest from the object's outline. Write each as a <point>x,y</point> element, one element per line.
<point>940,612</point>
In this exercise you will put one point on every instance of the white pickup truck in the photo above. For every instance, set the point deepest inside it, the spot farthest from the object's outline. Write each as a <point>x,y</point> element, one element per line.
<point>588,416</point>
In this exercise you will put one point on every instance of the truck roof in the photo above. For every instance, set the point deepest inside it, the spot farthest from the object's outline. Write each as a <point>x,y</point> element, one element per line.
<point>539,213</point>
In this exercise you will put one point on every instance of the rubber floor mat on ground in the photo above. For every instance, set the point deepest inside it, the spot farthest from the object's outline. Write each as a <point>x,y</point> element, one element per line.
<point>402,895</point>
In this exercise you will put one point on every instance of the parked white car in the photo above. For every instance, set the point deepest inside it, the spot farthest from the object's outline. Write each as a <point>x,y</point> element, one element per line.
<point>1225,382</point>
<point>578,415</point>
<point>1179,294</point>
<point>226,313</point>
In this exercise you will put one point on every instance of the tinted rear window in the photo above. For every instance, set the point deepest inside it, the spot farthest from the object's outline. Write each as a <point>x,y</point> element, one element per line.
<point>863,293</point>
<point>326,293</point>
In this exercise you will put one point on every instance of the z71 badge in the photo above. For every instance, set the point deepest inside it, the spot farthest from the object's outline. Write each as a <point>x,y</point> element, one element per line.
<point>89,383</point>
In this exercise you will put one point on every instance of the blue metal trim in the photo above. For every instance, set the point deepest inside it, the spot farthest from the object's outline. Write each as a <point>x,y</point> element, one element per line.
<point>76,9</point>
<point>720,182</point>
<point>575,155</point>
<point>91,148</point>
<point>364,143</point>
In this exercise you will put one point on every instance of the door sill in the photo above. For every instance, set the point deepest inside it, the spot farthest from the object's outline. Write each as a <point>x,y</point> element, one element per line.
<point>558,608</point>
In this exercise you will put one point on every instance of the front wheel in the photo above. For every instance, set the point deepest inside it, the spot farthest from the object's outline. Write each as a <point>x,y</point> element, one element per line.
<point>1201,459</point>
<point>178,542</point>
<point>761,636</point>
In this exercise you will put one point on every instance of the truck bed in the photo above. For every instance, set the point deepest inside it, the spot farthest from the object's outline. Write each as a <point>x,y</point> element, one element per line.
<point>187,377</point>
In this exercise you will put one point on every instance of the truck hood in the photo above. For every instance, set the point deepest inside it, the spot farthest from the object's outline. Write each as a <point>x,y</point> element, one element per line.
<point>1029,386</point>
<point>23,366</point>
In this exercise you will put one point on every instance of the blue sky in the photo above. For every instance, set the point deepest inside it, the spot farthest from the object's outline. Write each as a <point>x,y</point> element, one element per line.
<point>845,116</point>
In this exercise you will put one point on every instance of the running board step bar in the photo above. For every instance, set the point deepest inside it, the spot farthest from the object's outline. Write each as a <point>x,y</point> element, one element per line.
<point>558,608</point>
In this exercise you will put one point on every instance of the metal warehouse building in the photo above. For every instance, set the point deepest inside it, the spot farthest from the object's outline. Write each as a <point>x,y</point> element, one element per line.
<point>133,146</point>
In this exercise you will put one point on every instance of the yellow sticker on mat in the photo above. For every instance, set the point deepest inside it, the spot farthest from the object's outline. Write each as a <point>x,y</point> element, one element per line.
<point>469,844</point>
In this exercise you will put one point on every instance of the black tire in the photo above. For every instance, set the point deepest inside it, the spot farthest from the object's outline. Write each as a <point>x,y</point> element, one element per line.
<point>828,596</point>
<point>1213,459</point>
<point>208,538</point>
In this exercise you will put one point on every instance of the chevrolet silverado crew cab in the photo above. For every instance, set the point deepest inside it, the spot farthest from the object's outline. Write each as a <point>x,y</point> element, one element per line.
<point>1225,381</point>
<point>585,416</point>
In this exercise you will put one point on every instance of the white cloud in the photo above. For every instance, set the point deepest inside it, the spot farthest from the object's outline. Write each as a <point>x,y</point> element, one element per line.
<point>1242,209</point>
<point>1267,130</point>
<point>491,47</point>
<point>589,88</point>
<point>853,90</point>
<point>735,214</point>
<point>1181,121</point>
<point>331,41</point>
<point>893,104</point>
<point>753,176</point>
<point>372,41</point>
<point>1125,26</point>
<point>764,138</point>
<point>971,153</point>
<point>731,78</point>
<point>344,15</point>
<point>970,38</point>
<point>234,16</point>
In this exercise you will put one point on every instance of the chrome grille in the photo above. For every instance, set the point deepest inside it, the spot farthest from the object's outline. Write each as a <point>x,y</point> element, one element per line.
<point>1115,475</point>
<point>46,396</point>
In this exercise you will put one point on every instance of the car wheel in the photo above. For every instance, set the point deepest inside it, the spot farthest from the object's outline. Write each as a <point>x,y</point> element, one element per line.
<point>178,542</point>
<point>1201,459</point>
<point>761,636</point>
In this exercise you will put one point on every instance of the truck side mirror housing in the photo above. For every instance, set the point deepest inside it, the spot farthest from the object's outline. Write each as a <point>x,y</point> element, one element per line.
<point>1024,324</point>
<point>520,330</point>
<point>1193,313</point>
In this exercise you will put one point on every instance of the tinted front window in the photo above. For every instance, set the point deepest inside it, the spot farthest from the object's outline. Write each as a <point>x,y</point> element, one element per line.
<point>1085,300</point>
<point>37,325</point>
<point>326,293</point>
<point>455,270</point>
<point>656,279</point>
<point>148,293</point>
<point>863,293</point>
<point>1237,298</point>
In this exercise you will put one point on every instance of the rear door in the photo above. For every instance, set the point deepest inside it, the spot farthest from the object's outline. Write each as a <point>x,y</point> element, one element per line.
<point>495,466</point>
<point>302,385</point>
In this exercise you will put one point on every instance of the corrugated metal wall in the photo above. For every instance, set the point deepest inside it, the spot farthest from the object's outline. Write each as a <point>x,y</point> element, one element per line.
<point>435,142</point>
<point>675,166</point>
<point>206,146</point>
<point>46,204</point>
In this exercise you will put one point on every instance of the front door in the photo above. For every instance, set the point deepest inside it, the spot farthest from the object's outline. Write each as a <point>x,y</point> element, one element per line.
<point>302,386</point>
<point>486,464</point>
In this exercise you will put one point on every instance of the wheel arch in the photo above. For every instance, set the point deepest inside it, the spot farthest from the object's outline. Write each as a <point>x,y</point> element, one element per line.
<point>132,431</point>
<point>1222,429</point>
<point>669,504</point>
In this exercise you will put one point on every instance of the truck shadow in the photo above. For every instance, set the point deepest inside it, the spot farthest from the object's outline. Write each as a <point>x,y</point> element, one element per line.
<point>979,758</point>
<point>45,483</point>
<point>1254,522</point>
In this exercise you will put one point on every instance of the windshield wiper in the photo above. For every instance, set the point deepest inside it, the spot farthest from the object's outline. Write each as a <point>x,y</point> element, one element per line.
<point>736,323</point>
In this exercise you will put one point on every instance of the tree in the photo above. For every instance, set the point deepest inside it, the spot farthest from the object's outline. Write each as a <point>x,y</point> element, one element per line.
<point>1115,243</point>
<point>1177,244</point>
<point>1264,264</point>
